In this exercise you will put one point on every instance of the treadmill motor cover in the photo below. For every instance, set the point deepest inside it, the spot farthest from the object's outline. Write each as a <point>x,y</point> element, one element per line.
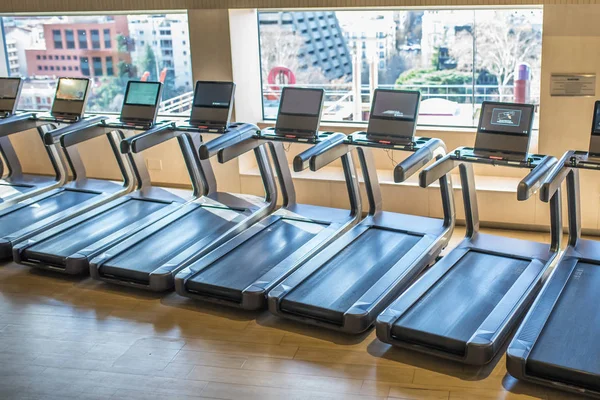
<point>394,114</point>
<point>299,111</point>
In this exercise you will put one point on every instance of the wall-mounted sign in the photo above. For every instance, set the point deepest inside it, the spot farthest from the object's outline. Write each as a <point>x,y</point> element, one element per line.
<point>573,85</point>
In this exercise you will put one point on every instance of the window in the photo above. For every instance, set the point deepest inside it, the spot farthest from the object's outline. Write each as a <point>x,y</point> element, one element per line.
<point>95,33</point>
<point>85,66</point>
<point>97,66</point>
<point>113,49</point>
<point>107,41</point>
<point>57,37</point>
<point>165,32</point>
<point>82,37</point>
<point>70,39</point>
<point>166,44</point>
<point>109,66</point>
<point>449,55</point>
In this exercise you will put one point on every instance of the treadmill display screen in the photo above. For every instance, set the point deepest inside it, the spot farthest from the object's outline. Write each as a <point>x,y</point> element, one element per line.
<point>9,88</point>
<point>596,127</point>
<point>142,94</point>
<point>72,89</point>
<point>305,102</point>
<point>395,104</point>
<point>213,94</point>
<point>512,119</point>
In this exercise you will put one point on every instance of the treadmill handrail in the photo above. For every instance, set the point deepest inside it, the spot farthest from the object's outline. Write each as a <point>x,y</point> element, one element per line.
<point>436,170</point>
<point>74,130</point>
<point>322,153</point>
<point>555,178</point>
<point>532,182</point>
<point>412,164</point>
<point>15,118</point>
<point>227,139</point>
<point>150,138</point>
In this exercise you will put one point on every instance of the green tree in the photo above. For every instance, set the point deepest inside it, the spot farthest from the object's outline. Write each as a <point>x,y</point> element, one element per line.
<point>440,80</point>
<point>148,63</point>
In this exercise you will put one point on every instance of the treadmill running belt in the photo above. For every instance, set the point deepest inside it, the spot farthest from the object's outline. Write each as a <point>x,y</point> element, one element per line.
<point>448,315</point>
<point>29,215</point>
<point>228,277</point>
<point>146,256</point>
<point>59,247</point>
<point>568,349</point>
<point>329,292</point>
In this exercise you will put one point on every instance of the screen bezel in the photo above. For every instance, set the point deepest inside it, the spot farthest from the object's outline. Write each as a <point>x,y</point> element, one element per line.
<point>287,88</point>
<point>224,83</point>
<point>416,111</point>
<point>503,104</point>
<point>19,86</point>
<point>596,118</point>
<point>85,94</point>
<point>156,99</point>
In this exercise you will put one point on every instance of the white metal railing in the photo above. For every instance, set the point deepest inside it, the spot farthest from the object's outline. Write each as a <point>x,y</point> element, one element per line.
<point>339,98</point>
<point>178,104</point>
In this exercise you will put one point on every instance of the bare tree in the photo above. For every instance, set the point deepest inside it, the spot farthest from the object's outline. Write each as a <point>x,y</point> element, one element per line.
<point>501,43</point>
<point>281,47</point>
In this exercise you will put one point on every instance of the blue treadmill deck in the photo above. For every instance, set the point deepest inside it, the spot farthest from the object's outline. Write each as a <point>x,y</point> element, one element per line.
<point>47,207</point>
<point>136,263</point>
<point>330,291</point>
<point>448,315</point>
<point>56,249</point>
<point>230,275</point>
<point>568,349</point>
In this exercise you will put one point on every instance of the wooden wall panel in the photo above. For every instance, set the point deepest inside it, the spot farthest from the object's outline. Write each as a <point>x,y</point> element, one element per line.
<point>48,6</point>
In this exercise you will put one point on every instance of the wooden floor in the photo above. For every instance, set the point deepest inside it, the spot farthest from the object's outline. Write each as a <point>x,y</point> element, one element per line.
<point>64,338</point>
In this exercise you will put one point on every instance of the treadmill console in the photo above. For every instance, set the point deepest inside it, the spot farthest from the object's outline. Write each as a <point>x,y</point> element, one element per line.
<point>140,106</point>
<point>393,117</point>
<point>299,112</point>
<point>10,90</point>
<point>70,98</point>
<point>595,139</point>
<point>505,128</point>
<point>212,105</point>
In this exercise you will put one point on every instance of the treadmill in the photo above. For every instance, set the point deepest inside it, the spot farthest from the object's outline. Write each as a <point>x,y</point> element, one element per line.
<point>25,219</point>
<point>466,305</point>
<point>150,258</point>
<point>557,343</point>
<point>242,271</point>
<point>353,279</point>
<point>16,185</point>
<point>68,247</point>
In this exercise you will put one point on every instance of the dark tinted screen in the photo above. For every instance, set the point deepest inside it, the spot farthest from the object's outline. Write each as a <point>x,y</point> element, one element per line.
<point>506,118</point>
<point>213,94</point>
<point>395,104</point>
<point>297,101</point>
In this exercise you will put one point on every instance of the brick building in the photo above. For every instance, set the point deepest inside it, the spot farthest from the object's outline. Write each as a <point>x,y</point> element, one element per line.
<point>80,49</point>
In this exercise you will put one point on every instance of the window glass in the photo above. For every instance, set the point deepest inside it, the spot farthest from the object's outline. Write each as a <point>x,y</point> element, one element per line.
<point>110,49</point>
<point>456,58</point>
